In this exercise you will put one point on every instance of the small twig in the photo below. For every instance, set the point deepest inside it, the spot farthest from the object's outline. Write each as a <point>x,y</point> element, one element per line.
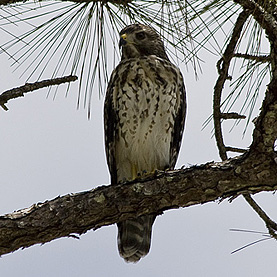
<point>234,149</point>
<point>232,116</point>
<point>19,91</point>
<point>270,224</point>
<point>261,58</point>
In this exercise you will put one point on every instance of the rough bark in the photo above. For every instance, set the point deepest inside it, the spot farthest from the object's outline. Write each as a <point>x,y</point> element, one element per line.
<point>105,205</point>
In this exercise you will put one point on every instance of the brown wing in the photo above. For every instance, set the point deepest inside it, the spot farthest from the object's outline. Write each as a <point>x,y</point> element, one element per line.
<point>179,125</point>
<point>110,123</point>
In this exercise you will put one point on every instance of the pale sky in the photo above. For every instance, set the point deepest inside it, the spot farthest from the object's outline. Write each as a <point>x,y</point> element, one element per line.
<point>49,148</point>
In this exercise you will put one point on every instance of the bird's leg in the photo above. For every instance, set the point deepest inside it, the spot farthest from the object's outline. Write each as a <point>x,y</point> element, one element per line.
<point>134,172</point>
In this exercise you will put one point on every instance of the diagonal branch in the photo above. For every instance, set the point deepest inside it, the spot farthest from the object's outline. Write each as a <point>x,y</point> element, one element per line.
<point>265,19</point>
<point>270,224</point>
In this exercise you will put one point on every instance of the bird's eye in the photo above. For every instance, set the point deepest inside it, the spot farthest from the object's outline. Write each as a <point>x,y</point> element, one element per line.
<point>140,35</point>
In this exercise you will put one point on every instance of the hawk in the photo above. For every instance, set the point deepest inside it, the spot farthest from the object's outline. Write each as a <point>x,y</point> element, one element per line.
<point>144,116</point>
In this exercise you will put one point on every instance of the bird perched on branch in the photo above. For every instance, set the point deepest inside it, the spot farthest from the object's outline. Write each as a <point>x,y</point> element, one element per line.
<point>144,114</point>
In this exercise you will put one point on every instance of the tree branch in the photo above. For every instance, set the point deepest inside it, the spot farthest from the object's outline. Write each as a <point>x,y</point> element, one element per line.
<point>265,19</point>
<point>19,91</point>
<point>261,58</point>
<point>232,115</point>
<point>265,132</point>
<point>270,224</point>
<point>105,205</point>
<point>235,149</point>
<point>223,68</point>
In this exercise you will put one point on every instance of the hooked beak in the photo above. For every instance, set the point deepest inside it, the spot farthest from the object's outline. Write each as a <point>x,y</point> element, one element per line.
<point>122,40</point>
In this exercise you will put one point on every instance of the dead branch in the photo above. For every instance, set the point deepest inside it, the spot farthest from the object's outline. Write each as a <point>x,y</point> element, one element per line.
<point>232,115</point>
<point>261,58</point>
<point>270,224</point>
<point>19,91</point>
<point>223,68</point>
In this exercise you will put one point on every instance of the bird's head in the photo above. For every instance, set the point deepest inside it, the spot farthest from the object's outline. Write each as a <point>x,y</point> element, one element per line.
<point>139,40</point>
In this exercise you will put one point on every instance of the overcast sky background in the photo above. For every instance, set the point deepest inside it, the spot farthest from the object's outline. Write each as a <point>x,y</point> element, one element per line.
<point>48,148</point>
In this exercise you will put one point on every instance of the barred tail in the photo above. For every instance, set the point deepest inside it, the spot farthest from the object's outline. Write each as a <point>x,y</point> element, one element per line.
<point>134,237</point>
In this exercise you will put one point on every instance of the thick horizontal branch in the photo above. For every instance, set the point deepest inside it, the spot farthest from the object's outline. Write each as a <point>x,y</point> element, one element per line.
<point>105,205</point>
<point>28,87</point>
